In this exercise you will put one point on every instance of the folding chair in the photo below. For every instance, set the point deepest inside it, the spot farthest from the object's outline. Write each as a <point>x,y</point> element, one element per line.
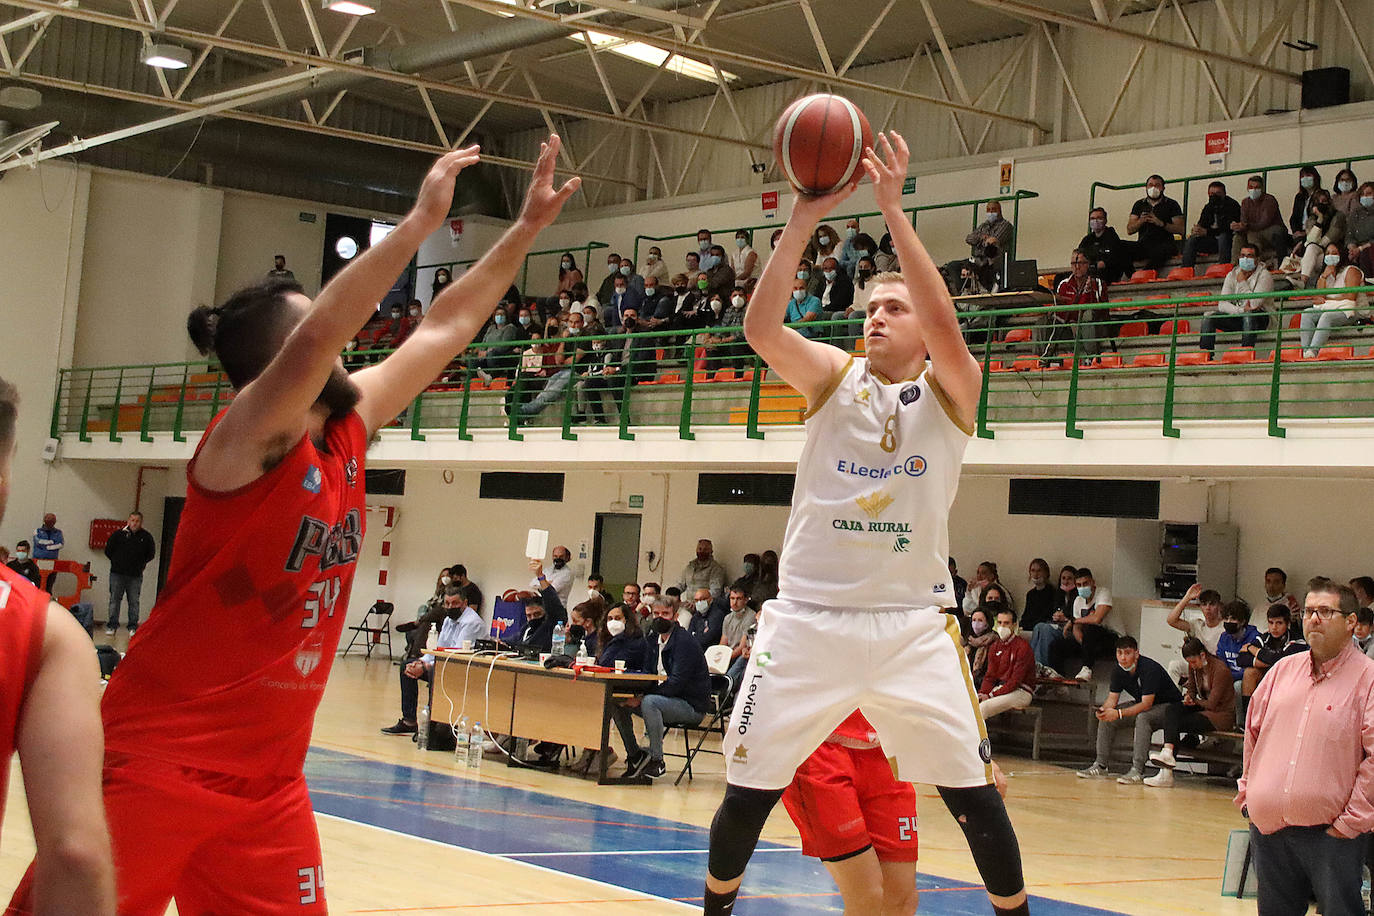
<point>376,625</point>
<point>712,723</point>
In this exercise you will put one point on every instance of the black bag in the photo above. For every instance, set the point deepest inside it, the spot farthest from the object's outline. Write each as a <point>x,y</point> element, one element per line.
<point>108,657</point>
<point>440,737</point>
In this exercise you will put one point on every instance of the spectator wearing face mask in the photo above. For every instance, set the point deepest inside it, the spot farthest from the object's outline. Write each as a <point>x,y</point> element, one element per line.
<point>682,698</point>
<point>627,270</point>
<point>750,576</point>
<point>729,349</point>
<point>461,624</point>
<point>803,308</point>
<point>623,298</point>
<point>720,275</point>
<point>715,308</point>
<point>849,253</point>
<point>442,278</point>
<point>432,612</point>
<point>1325,227</point>
<point>1260,225</point>
<point>1359,229</point>
<point>1332,310</point>
<point>496,356</point>
<point>1346,194</point>
<point>568,274</point>
<point>1249,316</point>
<point>1212,233</point>
<point>1009,680</point>
<point>1235,622</point>
<point>837,290</point>
<point>1086,636</point>
<point>991,238</point>
<point>560,577</point>
<point>1109,258</point>
<point>683,299</point>
<point>980,638</point>
<point>658,305</point>
<point>825,243</point>
<point>24,565</point>
<point>1364,630</point>
<point>654,266</point>
<point>1155,220</point>
<point>603,292</point>
<point>745,260</point>
<point>1309,183</point>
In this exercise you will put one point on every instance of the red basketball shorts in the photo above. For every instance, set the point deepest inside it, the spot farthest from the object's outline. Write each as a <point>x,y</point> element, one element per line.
<point>844,800</point>
<point>220,845</point>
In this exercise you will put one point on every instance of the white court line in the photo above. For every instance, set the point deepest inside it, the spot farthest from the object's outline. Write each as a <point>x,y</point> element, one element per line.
<point>626,852</point>
<point>530,865</point>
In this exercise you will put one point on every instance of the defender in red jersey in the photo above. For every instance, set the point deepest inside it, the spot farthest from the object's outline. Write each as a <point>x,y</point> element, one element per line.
<point>856,817</point>
<point>208,718</point>
<point>49,699</point>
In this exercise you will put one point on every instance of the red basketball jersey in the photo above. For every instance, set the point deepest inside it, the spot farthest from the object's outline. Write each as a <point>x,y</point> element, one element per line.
<point>230,667</point>
<point>23,613</point>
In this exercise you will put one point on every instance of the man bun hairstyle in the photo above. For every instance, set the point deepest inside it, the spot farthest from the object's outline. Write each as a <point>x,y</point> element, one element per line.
<point>1193,647</point>
<point>245,331</point>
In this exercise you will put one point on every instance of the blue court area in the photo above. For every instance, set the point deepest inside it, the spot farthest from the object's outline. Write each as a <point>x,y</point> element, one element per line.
<point>646,854</point>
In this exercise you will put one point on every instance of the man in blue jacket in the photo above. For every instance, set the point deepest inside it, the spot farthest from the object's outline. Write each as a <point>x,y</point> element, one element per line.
<point>681,699</point>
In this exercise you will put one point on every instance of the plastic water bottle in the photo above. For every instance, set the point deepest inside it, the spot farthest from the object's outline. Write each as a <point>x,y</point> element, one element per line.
<point>560,640</point>
<point>422,728</point>
<point>460,741</point>
<point>432,640</point>
<point>475,739</point>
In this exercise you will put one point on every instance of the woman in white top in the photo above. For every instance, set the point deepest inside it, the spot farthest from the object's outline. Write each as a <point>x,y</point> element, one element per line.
<point>744,259</point>
<point>1335,311</point>
<point>654,267</point>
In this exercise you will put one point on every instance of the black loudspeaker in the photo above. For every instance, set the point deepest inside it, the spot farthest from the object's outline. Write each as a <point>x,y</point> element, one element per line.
<point>1325,87</point>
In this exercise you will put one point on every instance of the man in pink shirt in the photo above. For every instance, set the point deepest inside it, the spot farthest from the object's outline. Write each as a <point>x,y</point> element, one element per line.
<point>1308,782</point>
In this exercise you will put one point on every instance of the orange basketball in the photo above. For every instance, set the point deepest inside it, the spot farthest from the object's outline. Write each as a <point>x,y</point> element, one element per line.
<point>819,141</point>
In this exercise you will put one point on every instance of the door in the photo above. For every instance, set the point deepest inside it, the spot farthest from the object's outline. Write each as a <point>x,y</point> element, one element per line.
<point>615,552</point>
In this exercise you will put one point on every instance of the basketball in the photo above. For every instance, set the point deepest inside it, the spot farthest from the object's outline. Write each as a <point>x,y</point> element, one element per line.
<point>819,140</point>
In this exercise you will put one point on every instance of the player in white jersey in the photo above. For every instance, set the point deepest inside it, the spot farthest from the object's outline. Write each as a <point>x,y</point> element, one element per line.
<point>858,621</point>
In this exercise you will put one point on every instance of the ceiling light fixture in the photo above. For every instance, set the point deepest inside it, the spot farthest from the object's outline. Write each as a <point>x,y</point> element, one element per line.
<point>351,7</point>
<point>166,57</point>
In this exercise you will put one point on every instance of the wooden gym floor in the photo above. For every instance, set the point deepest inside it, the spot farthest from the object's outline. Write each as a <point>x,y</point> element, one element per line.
<point>412,833</point>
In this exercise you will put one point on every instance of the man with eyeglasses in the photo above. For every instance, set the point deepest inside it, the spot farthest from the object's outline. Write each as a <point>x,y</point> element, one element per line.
<point>1080,288</point>
<point>1308,780</point>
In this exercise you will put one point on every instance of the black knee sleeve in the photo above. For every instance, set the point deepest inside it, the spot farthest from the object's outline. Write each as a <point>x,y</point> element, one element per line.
<point>991,839</point>
<point>736,827</point>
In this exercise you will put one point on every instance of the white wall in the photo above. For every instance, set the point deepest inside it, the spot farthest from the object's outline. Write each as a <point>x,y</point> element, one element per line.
<point>42,245</point>
<point>256,228</point>
<point>479,234</point>
<point>151,252</point>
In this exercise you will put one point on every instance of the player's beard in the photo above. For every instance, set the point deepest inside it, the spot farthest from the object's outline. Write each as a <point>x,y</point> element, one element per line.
<point>339,395</point>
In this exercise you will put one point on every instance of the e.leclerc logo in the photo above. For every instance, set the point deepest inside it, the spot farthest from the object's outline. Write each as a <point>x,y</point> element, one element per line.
<point>913,466</point>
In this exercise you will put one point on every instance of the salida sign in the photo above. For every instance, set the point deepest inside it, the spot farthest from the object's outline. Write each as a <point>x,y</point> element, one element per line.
<point>1217,143</point>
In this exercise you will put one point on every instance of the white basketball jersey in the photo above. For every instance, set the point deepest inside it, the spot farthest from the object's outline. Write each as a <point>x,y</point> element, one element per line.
<point>870,511</point>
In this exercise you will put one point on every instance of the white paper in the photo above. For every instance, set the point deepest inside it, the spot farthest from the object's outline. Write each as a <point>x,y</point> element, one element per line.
<point>537,544</point>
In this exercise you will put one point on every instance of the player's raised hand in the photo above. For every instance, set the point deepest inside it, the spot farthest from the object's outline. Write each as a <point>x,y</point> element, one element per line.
<point>543,202</point>
<point>435,199</point>
<point>887,166</point>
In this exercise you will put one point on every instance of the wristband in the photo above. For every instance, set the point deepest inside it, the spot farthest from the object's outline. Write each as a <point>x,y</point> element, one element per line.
<point>1120,715</point>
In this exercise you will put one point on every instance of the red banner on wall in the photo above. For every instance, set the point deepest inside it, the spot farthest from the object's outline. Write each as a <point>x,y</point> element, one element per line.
<point>770,204</point>
<point>1217,142</point>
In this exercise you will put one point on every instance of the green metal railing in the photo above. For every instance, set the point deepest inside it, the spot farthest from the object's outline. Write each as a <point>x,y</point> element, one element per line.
<point>975,203</point>
<point>586,251</point>
<point>1148,371</point>
<point>1210,177</point>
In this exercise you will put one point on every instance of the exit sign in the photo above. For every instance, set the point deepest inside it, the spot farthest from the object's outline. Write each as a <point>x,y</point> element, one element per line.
<point>636,501</point>
<point>307,217</point>
<point>909,185</point>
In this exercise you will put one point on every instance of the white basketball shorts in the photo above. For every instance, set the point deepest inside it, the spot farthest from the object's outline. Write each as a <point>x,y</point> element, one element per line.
<point>811,667</point>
